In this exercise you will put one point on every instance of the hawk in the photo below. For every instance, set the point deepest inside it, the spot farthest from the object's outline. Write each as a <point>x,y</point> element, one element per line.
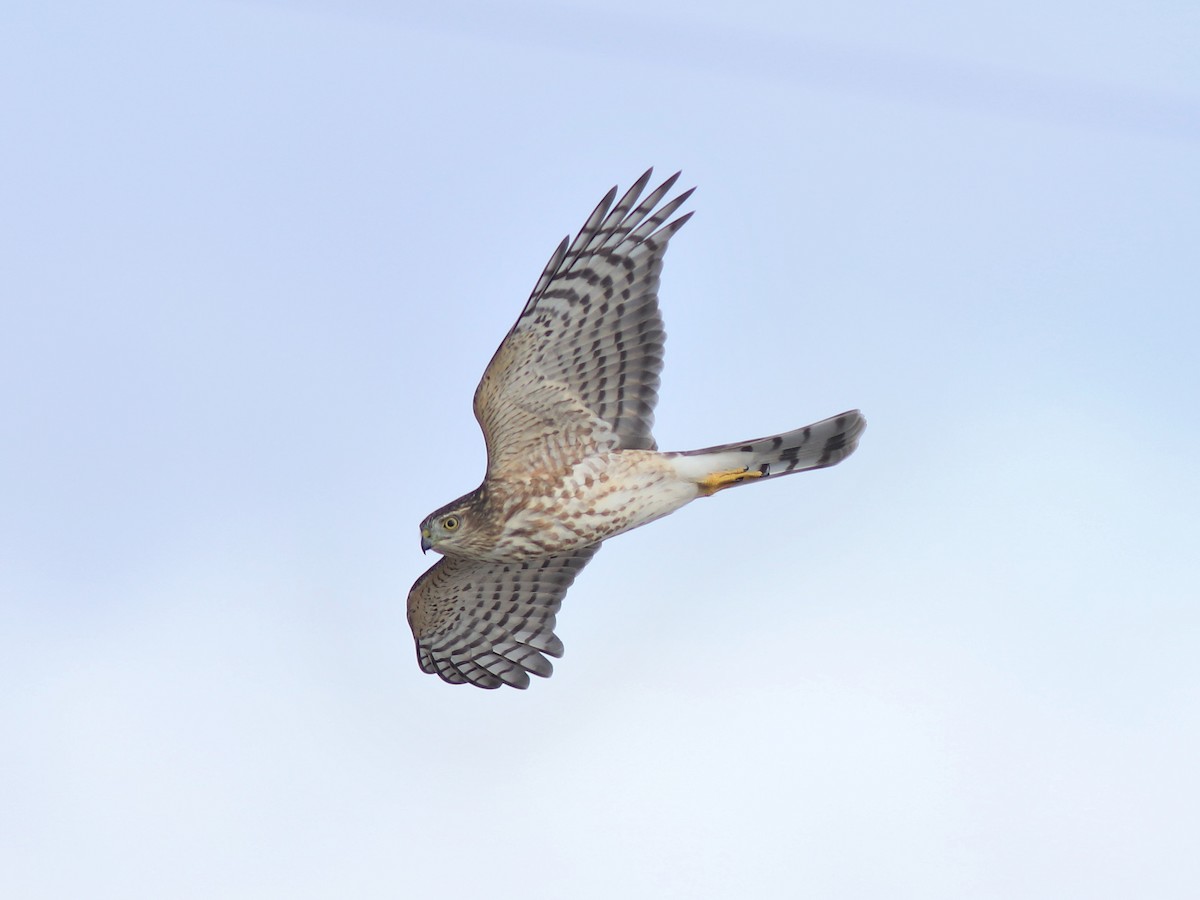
<point>566,406</point>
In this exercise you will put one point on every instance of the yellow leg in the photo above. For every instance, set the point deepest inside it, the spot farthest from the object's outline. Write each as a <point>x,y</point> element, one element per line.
<point>710,484</point>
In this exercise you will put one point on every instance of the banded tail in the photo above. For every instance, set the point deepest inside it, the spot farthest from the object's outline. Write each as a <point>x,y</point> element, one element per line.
<point>815,446</point>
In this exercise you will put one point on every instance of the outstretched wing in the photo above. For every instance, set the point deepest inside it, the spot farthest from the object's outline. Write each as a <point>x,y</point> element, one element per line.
<point>490,623</point>
<point>586,352</point>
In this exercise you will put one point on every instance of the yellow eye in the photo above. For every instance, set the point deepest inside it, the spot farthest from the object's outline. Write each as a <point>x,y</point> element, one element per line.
<point>450,523</point>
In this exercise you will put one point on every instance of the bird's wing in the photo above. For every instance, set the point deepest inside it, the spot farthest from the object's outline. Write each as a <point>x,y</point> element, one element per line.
<point>489,623</point>
<point>587,349</point>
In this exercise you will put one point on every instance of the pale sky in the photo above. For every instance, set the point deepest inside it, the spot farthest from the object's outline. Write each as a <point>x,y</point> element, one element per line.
<point>255,257</point>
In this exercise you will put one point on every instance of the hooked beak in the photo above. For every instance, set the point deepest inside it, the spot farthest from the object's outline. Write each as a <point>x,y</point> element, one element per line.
<point>426,544</point>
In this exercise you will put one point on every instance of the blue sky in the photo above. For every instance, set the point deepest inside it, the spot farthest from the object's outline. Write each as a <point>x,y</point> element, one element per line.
<point>255,257</point>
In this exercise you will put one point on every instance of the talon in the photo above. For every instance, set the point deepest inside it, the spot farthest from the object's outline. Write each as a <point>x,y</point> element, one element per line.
<point>710,484</point>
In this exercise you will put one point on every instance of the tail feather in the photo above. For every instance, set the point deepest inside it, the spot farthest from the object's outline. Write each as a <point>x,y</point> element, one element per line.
<point>815,446</point>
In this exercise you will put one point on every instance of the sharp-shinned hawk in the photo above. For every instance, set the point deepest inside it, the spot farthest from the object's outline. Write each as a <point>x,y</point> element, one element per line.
<point>566,407</point>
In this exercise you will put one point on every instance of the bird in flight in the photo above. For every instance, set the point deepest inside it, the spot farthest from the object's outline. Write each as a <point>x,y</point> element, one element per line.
<point>566,406</point>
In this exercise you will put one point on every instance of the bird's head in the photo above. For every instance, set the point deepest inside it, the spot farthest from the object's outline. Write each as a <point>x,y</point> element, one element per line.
<point>445,529</point>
